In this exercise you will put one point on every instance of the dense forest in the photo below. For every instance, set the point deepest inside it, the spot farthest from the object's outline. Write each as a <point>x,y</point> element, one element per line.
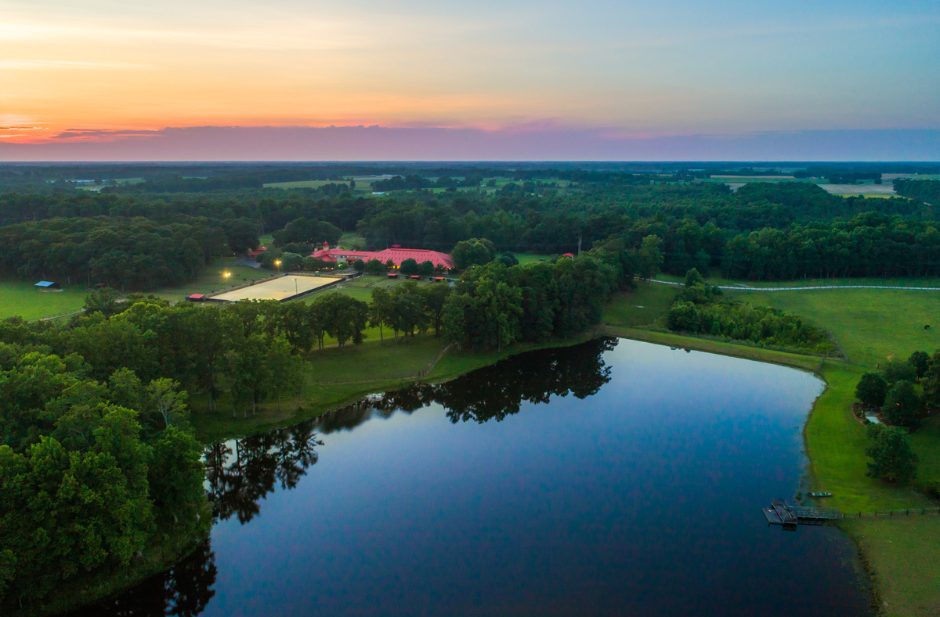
<point>762,231</point>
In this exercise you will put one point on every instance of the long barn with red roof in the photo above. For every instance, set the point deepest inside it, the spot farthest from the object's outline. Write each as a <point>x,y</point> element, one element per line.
<point>395,254</point>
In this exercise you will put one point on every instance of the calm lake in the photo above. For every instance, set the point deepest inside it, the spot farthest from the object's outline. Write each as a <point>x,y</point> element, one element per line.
<point>611,478</point>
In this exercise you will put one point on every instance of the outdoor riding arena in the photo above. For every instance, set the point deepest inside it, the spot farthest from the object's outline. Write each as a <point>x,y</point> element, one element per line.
<point>281,288</point>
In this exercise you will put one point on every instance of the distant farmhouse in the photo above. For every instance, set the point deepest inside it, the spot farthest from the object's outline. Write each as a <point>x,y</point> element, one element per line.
<point>396,255</point>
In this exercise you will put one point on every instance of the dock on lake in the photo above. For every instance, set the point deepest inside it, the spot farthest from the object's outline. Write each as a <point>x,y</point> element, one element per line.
<point>782,513</point>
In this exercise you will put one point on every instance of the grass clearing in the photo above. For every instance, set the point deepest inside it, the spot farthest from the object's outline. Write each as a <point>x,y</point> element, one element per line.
<point>531,258</point>
<point>639,307</point>
<point>869,324</point>
<point>904,552</point>
<point>23,299</point>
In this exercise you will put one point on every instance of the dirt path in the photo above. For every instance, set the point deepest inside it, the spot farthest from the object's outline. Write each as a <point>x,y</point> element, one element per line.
<point>748,288</point>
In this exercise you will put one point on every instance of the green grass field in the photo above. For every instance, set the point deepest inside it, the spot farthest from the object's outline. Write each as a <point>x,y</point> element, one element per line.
<point>904,551</point>
<point>353,241</point>
<point>530,258</point>
<point>23,299</point>
<point>640,307</point>
<point>869,324</point>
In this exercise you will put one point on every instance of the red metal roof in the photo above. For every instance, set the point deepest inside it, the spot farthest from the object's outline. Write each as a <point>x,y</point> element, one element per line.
<point>197,296</point>
<point>395,255</point>
<point>568,255</point>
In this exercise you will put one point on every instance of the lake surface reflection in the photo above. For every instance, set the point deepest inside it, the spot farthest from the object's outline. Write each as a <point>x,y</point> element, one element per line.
<point>611,478</point>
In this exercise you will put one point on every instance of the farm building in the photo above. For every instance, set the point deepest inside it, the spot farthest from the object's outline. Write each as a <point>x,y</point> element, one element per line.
<point>395,254</point>
<point>47,285</point>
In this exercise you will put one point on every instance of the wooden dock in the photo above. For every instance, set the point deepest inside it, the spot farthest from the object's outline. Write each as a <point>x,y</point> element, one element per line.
<point>782,513</point>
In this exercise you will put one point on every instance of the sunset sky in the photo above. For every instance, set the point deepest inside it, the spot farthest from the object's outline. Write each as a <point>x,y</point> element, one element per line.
<point>79,71</point>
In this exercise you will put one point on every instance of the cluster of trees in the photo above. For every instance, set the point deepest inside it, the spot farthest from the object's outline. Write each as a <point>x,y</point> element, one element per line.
<point>494,306</point>
<point>94,469</point>
<point>414,182</point>
<point>868,245</point>
<point>135,253</point>
<point>700,309</point>
<point>924,190</point>
<point>904,391</point>
<point>409,308</point>
<point>308,231</point>
<point>265,211</point>
<point>254,348</point>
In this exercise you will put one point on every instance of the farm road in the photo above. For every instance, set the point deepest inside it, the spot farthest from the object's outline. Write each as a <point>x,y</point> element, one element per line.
<point>748,288</point>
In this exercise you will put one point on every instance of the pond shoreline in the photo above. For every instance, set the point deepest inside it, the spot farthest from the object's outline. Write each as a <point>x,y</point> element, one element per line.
<point>459,364</point>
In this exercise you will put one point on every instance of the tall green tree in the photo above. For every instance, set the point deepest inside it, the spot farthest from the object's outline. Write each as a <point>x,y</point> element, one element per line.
<point>871,390</point>
<point>903,407</point>
<point>893,458</point>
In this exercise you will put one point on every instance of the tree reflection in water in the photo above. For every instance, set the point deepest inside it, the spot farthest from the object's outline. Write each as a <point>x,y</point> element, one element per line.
<point>184,590</point>
<point>496,391</point>
<point>241,472</point>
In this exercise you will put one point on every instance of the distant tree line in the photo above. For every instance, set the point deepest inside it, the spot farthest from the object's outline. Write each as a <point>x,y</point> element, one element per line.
<point>760,232</point>
<point>927,191</point>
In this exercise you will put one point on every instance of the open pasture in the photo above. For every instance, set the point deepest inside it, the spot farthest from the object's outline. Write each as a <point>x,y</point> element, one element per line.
<point>869,324</point>
<point>283,288</point>
<point>22,299</point>
<point>858,189</point>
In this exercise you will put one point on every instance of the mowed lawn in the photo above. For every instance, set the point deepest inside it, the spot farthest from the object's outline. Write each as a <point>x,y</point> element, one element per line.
<point>21,298</point>
<point>869,324</point>
<point>640,307</point>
